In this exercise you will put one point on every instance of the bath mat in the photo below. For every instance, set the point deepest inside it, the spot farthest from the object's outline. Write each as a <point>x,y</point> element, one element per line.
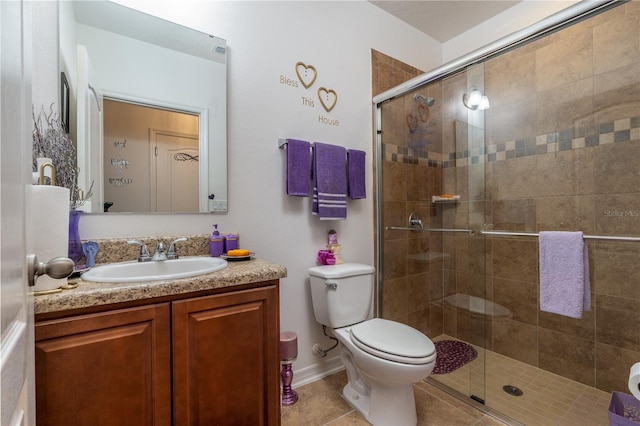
<point>452,354</point>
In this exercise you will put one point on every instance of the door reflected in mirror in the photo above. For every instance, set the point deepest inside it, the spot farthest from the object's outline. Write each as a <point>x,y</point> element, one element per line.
<point>113,53</point>
<point>150,159</point>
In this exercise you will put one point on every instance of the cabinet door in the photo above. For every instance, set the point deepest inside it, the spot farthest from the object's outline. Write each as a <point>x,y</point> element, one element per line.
<point>107,369</point>
<point>225,359</point>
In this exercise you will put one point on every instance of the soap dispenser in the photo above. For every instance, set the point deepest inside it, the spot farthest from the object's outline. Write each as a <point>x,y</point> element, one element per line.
<point>216,243</point>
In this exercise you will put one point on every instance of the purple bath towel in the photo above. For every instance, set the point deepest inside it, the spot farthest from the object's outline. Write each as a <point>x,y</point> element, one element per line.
<point>329,181</point>
<point>356,173</point>
<point>564,274</point>
<point>298,168</point>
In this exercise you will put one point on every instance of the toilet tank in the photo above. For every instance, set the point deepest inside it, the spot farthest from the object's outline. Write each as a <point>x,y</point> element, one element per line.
<point>341,294</point>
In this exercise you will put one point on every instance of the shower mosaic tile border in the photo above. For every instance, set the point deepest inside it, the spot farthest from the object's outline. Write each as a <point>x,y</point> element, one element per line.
<point>623,130</point>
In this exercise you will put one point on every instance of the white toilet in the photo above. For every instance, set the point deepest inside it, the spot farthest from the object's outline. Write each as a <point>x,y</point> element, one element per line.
<point>383,358</point>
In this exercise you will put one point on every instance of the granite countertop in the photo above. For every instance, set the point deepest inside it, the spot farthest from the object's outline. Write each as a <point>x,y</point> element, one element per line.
<point>88,294</point>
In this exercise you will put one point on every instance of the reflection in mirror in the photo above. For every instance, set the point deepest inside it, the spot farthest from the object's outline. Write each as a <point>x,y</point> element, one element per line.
<point>117,56</point>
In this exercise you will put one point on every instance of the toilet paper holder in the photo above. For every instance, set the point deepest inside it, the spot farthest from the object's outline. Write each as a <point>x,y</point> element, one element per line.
<point>43,166</point>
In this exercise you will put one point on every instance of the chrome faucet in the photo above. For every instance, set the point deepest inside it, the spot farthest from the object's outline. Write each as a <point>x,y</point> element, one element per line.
<point>159,254</point>
<point>144,256</point>
<point>173,251</point>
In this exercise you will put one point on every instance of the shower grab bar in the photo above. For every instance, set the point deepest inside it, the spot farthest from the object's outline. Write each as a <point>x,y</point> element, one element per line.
<point>586,237</point>
<point>402,228</point>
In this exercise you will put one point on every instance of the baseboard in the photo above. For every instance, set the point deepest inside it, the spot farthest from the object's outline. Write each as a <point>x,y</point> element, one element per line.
<point>317,371</point>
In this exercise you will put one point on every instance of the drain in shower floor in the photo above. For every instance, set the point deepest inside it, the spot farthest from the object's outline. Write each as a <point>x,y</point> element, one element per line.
<point>512,390</point>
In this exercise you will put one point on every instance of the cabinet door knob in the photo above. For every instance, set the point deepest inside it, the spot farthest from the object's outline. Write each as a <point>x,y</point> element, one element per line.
<point>58,267</point>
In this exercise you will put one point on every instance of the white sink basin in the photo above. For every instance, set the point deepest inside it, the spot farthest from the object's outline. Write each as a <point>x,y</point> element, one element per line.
<point>126,272</point>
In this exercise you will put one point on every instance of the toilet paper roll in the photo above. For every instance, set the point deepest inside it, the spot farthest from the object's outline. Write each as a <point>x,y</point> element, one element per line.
<point>49,217</point>
<point>634,380</point>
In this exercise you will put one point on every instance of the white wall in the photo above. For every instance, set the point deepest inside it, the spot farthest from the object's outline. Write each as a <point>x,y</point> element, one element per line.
<point>266,40</point>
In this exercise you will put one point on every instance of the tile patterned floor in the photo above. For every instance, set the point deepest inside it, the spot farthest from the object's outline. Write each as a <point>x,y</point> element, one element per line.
<point>321,403</point>
<point>548,399</point>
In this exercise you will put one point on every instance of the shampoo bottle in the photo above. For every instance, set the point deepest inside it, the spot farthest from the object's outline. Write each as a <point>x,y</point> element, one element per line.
<point>216,243</point>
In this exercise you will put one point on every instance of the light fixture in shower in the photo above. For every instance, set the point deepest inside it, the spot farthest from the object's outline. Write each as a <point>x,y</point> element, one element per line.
<point>475,100</point>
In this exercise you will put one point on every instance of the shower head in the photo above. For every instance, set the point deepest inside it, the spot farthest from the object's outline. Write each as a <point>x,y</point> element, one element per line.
<point>429,101</point>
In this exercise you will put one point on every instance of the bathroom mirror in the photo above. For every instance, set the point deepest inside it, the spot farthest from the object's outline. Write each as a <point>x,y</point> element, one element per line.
<point>115,55</point>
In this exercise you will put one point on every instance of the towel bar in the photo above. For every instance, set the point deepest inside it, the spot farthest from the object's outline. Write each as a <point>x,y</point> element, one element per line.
<point>586,237</point>
<point>402,228</point>
<point>508,233</point>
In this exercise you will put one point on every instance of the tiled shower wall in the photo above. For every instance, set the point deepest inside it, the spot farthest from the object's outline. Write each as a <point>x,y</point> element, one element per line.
<point>561,152</point>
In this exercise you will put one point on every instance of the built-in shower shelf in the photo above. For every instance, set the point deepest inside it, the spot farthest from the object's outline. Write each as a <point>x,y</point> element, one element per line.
<point>440,199</point>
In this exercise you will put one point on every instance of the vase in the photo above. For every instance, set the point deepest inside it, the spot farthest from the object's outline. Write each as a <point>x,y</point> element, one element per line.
<point>75,244</point>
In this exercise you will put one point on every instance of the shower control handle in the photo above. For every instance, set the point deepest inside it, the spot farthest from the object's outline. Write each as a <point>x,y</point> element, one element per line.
<point>331,284</point>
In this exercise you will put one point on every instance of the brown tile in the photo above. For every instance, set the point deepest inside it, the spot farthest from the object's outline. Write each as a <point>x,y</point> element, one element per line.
<point>618,322</point>
<point>567,356</point>
<point>513,179</point>
<point>617,270</point>
<point>510,76</point>
<point>565,173</point>
<point>433,411</point>
<point>394,254</point>
<point>317,404</point>
<point>337,381</point>
<point>394,186</point>
<point>395,297</point>
<point>614,45</point>
<point>615,166</point>
<point>449,399</point>
<point>552,67</point>
<point>618,214</point>
<point>519,297</point>
<point>516,340</point>
<point>515,259</point>
<point>352,419</point>
<point>393,214</point>
<point>582,328</point>
<point>566,213</point>
<point>615,93</point>
<point>418,292</point>
<point>514,215</point>
<point>565,107</point>
<point>509,120</point>
<point>612,367</point>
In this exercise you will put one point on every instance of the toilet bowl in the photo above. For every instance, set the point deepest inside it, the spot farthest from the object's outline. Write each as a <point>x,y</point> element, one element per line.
<point>383,358</point>
<point>380,383</point>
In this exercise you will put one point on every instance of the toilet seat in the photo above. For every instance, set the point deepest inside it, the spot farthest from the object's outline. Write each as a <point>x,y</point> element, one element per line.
<point>393,341</point>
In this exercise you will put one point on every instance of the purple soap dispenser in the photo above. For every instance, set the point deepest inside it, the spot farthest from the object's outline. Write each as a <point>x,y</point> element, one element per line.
<point>216,243</point>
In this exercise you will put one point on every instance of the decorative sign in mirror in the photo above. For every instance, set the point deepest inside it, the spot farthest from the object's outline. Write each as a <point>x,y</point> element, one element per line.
<point>119,62</point>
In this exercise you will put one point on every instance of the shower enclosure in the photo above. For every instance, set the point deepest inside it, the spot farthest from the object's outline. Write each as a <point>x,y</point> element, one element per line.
<point>538,132</point>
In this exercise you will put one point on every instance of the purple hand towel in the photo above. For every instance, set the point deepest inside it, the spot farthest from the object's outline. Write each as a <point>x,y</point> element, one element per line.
<point>329,181</point>
<point>298,168</point>
<point>355,169</point>
<point>564,274</point>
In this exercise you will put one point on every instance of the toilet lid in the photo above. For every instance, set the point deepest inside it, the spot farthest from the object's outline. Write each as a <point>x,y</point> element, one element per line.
<point>393,341</point>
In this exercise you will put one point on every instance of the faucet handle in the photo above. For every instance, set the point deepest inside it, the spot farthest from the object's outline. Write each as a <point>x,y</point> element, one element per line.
<point>144,256</point>
<point>173,251</point>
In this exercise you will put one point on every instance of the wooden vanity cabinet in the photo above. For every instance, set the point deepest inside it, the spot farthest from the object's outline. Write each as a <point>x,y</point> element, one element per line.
<point>225,359</point>
<point>208,360</point>
<point>109,368</point>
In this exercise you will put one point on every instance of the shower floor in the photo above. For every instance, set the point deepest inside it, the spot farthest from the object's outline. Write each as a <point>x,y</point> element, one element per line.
<point>548,399</point>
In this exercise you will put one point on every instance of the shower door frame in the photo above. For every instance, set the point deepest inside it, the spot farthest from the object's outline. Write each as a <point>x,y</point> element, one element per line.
<point>551,24</point>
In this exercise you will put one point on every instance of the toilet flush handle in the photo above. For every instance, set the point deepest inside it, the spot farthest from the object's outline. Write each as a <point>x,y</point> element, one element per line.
<point>331,284</point>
